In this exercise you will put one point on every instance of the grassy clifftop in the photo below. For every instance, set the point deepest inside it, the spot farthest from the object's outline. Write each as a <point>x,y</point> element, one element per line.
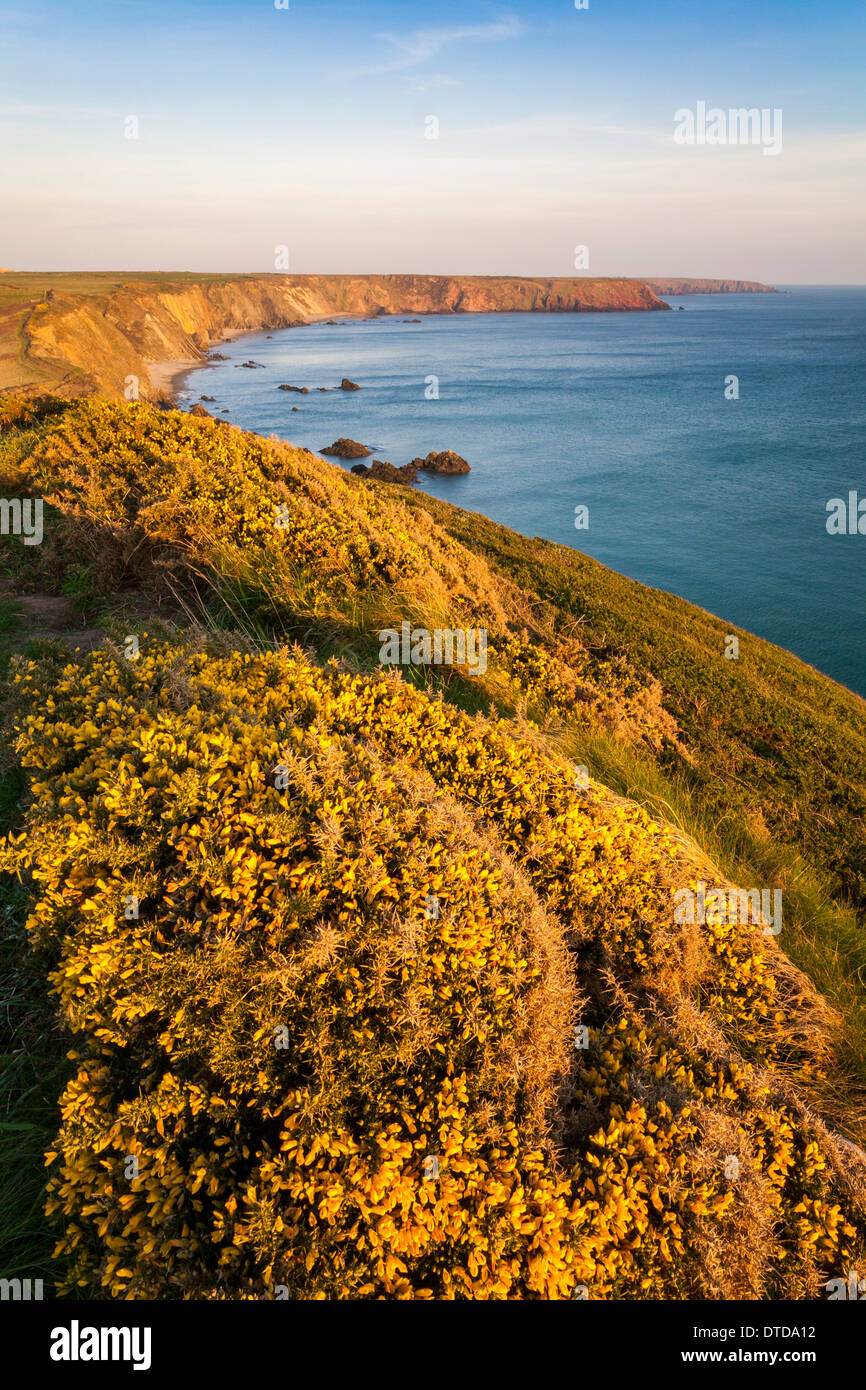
<point>380,992</point>
<point>675,286</point>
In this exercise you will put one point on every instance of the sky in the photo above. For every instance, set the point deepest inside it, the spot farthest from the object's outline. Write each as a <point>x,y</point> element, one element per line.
<point>308,128</point>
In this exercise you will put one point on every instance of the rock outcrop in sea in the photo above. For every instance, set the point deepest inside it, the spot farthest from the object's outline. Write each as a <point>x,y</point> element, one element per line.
<point>385,472</point>
<point>347,449</point>
<point>445,462</point>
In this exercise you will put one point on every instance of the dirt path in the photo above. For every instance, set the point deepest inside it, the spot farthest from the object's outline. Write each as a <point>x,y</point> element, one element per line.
<point>44,615</point>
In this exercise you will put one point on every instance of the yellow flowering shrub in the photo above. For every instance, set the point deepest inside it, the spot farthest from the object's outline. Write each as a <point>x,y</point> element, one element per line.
<point>325,947</point>
<point>304,542</point>
<point>306,534</point>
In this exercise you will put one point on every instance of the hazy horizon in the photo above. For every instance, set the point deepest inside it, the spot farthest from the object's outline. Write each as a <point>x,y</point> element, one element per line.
<point>215,135</point>
<point>440,274</point>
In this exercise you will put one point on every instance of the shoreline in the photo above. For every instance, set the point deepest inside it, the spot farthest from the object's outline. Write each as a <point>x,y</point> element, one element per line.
<point>106,328</point>
<point>167,374</point>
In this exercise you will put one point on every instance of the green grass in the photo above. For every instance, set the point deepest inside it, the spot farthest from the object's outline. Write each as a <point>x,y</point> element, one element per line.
<point>23,286</point>
<point>771,781</point>
<point>33,1064</point>
<point>33,1069</point>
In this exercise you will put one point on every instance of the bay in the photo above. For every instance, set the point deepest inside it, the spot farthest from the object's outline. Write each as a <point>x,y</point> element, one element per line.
<point>722,501</point>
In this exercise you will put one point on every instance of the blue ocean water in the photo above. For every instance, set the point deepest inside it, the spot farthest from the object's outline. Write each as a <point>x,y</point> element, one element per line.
<point>721,501</point>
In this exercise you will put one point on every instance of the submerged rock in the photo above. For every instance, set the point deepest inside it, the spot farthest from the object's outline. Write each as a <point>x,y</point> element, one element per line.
<point>304,390</point>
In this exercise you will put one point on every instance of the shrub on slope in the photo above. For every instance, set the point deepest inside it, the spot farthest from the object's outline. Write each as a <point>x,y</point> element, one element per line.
<point>234,861</point>
<point>766,740</point>
<point>250,510</point>
<point>162,498</point>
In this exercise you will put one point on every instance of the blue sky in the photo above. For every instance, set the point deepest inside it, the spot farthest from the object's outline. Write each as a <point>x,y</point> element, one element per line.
<point>305,127</point>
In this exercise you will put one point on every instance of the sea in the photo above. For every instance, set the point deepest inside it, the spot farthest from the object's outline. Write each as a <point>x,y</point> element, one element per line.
<point>704,444</point>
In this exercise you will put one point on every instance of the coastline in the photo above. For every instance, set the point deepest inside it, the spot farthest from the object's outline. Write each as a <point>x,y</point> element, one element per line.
<point>165,377</point>
<point>167,374</point>
<point>102,332</point>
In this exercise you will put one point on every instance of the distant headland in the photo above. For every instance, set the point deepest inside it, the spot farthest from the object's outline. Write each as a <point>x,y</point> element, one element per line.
<point>73,333</point>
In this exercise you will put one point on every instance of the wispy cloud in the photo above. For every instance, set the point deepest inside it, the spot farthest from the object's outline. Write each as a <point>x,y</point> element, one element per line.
<point>423,44</point>
<point>552,123</point>
<point>428,84</point>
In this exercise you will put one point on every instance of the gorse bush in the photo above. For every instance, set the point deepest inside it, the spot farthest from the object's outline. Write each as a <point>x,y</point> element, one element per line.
<point>308,536</point>
<point>167,499</point>
<point>763,739</point>
<point>323,943</point>
<point>367,996</point>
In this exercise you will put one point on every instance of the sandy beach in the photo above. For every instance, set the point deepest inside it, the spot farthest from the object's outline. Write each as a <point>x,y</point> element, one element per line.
<point>166,375</point>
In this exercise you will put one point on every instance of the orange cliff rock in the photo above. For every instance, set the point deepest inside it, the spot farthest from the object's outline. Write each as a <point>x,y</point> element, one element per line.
<point>95,342</point>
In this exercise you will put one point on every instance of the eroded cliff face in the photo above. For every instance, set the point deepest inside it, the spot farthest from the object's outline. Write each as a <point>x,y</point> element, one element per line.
<point>96,343</point>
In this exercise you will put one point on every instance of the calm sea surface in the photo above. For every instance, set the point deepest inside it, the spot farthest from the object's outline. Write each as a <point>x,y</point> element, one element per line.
<point>720,501</point>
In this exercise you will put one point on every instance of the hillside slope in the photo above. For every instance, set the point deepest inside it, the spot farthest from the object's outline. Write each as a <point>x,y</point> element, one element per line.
<point>385,997</point>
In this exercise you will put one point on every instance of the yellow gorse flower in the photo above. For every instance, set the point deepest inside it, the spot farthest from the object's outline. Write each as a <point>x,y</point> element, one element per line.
<point>282,1039</point>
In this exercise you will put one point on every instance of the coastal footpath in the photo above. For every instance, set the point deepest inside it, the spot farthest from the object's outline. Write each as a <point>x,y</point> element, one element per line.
<point>75,333</point>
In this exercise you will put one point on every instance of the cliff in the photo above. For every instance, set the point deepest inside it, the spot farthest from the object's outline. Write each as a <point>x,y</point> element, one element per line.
<point>94,341</point>
<point>71,333</point>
